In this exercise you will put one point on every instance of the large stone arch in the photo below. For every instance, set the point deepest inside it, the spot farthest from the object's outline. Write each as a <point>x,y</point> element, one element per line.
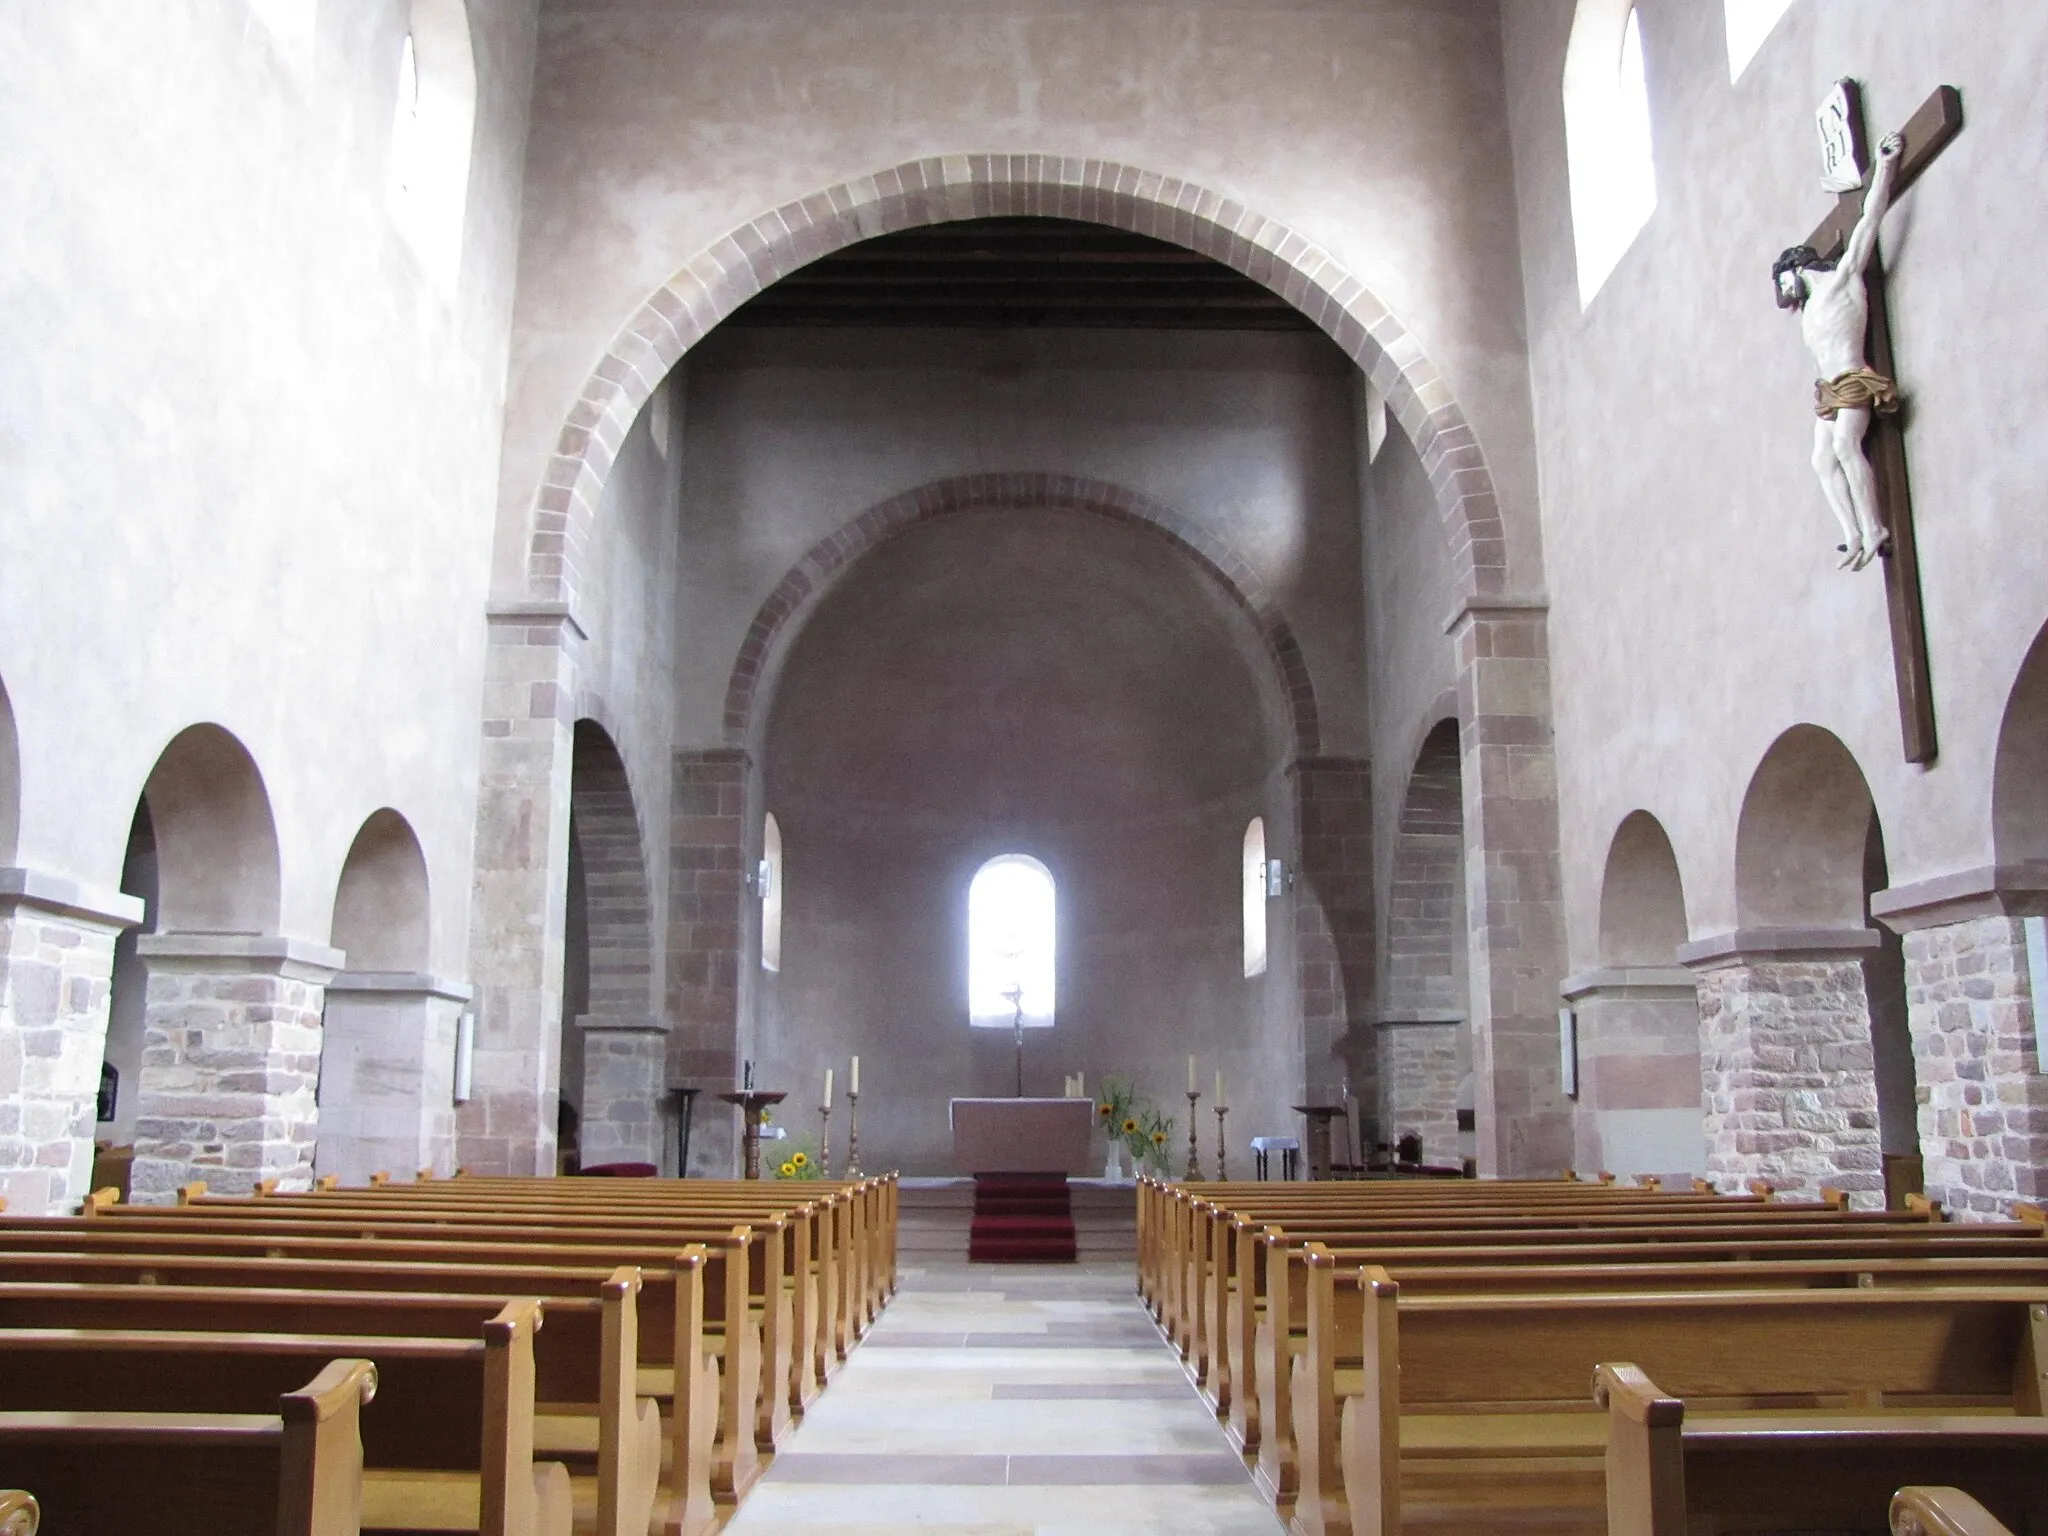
<point>779,615</point>
<point>940,190</point>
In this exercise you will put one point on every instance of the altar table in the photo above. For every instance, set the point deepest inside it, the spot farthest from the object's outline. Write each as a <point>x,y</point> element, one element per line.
<point>1025,1136</point>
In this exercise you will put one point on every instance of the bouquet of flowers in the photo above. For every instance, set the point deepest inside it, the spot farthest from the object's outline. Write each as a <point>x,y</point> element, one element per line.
<point>798,1162</point>
<point>1136,1123</point>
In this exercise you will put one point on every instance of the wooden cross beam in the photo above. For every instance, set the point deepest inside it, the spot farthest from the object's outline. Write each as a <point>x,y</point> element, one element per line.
<point>1927,133</point>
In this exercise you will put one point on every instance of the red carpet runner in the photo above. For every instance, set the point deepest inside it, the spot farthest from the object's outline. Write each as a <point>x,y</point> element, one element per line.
<point>1021,1218</point>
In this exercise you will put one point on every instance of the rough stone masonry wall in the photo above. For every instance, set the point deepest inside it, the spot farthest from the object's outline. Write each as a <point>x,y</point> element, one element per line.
<point>1423,1067</point>
<point>707,881</point>
<point>623,1089</point>
<point>230,1065</point>
<point>54,984</point>
<point>1788,1077</point>
<point>1334,939</point>
<point>1983,1101</point>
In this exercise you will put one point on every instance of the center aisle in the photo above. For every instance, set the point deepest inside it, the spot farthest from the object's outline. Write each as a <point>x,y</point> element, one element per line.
<point>1010,1400</point>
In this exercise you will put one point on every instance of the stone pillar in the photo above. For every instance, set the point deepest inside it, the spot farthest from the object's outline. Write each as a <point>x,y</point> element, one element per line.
<point>707,887</point>
<point>1971,1004</point>
<point>230,1061</point>
<point>625,1073</point>
<point>1334,956</point>
<point>1422,1062</point>
<point>1513,887</point>
<point>1639,1071</point>
<point>56,967</point>
<point>1788,1078</point>
<point>521,885</point>
<point>387,1075</point>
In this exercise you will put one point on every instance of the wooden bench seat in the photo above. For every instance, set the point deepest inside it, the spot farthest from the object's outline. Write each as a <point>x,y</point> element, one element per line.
<point>295,1472</point>
<point>447,1441</point>
<point>1670,1473</point>
<point>1454,1404</point>
<point>585,1358</point>
<point>702,1403</point>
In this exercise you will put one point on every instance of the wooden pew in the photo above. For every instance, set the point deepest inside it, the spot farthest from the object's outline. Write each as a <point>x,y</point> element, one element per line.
<point>447,1442</point>
<point>710,1409</point>
<point>1430,1415</point>
<point>585,1358</point>
<point>296,1472</point>
<point>1935,1511</point>
<point>1669,1473</point>
<point>284,1229</point>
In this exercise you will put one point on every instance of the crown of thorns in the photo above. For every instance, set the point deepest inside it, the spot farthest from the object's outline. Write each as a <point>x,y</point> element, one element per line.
<point>1798,258</point>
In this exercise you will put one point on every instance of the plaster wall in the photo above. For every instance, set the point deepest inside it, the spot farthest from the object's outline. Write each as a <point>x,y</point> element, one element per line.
<point>1036,681</point>
<point>1696,612</point>
<point>249,441</point>
<point>792,434</point>
<point>1372,128</point>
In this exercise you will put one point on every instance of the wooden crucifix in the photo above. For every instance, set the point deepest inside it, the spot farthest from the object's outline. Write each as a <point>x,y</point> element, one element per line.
<point>1864,393</point>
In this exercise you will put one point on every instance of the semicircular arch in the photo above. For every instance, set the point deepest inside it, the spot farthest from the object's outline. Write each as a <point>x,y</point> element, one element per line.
<point>1802,834</point>
<point>944,189</point>
<point>781,613</point>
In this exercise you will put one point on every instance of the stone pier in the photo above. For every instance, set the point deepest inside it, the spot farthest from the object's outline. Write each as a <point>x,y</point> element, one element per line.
<point>387,1075</point>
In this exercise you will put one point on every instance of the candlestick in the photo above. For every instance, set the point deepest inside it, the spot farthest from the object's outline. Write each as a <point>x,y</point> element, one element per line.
<point>1221,1111</point>
<point>853,1125</point>
<point>1194,1167</point>
<point>825,1133</point>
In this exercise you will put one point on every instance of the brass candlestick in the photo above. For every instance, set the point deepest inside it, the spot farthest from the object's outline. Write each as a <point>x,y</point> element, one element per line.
<point>1221,1111</point>
<point>1194,1165</point>
<point>824,1141</point>
<point>853,1134</point>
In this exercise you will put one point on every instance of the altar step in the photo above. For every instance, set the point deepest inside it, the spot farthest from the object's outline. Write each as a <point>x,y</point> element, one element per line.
<point>935,1215</point>
<point>1021,1218</point>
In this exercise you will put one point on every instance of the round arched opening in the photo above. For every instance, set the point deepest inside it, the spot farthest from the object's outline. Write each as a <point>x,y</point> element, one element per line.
<point>1642,899</point>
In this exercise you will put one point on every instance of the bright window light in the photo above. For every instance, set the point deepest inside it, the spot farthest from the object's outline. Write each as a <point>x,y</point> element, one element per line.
<point>1010,926</point>
<point>1255,897</point>
<point>771,894</point>
<point>1749,24</point>
<point>1607,138</point>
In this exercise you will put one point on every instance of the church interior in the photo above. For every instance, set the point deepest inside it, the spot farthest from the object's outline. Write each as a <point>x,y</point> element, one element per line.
<point>1376,624</point>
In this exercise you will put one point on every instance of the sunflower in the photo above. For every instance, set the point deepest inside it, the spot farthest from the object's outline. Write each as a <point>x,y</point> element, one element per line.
<point>1159,1138</point>
<point>1130,1127</point>
<point>788,1170</point>
<point>799,1160</point>
<point>1105,1110</point>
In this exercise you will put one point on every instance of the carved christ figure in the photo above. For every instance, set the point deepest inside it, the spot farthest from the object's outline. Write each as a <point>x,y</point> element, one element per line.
<point>1834,315</point>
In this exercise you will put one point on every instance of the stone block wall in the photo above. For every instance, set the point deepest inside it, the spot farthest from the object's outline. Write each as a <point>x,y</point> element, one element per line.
<point>387,1076</point>
<point>706,890</point>
<point>55,970</point>
<point>1983,1103</point>
<point>230,1063</point>
<point>1421,1067</point>
<point>1334,959</point>
<point>1787,1075</point>
<point>624,1077</point>
<point>1639,1072</point>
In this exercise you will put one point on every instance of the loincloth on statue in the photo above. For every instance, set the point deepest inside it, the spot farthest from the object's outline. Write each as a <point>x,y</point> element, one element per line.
<point>1857,387</point>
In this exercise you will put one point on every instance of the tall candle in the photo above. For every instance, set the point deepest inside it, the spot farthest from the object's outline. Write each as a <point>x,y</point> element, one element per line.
<point>1191,1074</point>
<point>1080,1085</point>
<point>1219,1088</point>
<point>827,1100</point>
<point>853,1078</point>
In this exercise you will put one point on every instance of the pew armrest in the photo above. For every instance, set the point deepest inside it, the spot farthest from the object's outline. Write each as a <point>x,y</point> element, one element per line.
<point>320,1477</point>
<point>1645,1453</point>
<point>1936,1512</point>
<point>19,1513</point>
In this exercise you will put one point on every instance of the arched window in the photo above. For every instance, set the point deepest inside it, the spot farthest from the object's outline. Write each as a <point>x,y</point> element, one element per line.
<point>1255,897</point>
<point>1607,137</point>
<point>432,122</point>
<point>1010,928</point>
<point>771,894</point>
<point>1749,22</point>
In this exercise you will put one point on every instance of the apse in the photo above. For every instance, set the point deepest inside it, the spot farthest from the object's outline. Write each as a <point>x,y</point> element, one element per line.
<point>1073,696</point>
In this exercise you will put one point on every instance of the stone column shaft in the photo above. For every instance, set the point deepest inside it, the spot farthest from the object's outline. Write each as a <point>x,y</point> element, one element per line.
<point>230,1059</point>
<point>1639,1071</point>
<point>56,968</point>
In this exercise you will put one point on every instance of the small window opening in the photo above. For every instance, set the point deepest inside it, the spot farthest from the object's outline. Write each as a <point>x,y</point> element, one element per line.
<point>1011,911</point>
<point>1255,897</point>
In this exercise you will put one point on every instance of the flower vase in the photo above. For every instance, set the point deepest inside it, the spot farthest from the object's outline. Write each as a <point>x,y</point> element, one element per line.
<point>1113,1168</point>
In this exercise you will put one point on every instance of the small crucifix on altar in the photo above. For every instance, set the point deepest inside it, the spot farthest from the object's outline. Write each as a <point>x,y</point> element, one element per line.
<point>1835,280</point>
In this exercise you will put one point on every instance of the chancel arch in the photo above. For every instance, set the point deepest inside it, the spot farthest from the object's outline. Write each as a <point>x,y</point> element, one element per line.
<point>387,1055</point>
<point>1024,680</point>
<point>1636,1017</point>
